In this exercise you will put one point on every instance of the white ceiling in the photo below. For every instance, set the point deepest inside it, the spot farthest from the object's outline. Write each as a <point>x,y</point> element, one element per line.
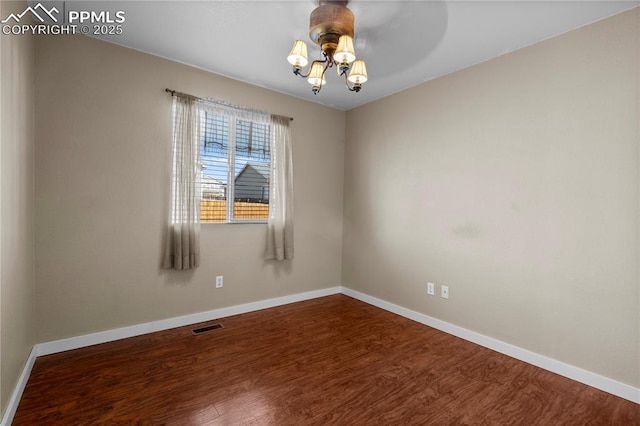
<point>404,43</point>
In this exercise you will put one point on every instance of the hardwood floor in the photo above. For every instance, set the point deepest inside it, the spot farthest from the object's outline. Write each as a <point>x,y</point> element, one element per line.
<point>328,361</point>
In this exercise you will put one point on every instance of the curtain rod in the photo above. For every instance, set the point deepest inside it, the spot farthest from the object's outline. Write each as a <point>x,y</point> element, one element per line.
<point>174,93</point>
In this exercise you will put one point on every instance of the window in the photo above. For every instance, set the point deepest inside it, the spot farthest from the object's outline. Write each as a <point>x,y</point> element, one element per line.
<point>235,162</point>
<point>220,171</point>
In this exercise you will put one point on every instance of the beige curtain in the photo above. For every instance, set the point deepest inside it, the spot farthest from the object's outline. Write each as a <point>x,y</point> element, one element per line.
<point>280,225</point>
<point>182,248</point>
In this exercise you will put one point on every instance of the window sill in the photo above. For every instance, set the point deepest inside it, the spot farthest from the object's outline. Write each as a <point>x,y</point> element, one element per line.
<point>238,222</point>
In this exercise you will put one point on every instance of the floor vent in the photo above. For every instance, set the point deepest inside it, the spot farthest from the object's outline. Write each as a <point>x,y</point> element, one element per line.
<point>205,329</point>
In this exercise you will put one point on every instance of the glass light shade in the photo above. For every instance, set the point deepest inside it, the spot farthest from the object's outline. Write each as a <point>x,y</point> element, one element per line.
<point>298,55</point>
<point>345,52</point>
<point>315,76</point>
<point>358,74</point>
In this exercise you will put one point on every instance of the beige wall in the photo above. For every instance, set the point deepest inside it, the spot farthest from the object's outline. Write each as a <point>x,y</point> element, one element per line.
<point>17,328</point>
<point>515,182</point>
<point>102,138</point>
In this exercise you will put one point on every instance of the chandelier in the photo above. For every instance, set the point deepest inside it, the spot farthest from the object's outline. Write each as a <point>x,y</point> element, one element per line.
<point>331,27</point>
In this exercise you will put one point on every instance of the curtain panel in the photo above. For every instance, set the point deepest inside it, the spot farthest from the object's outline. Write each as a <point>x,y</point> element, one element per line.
<point>182,247</point>
<point>280,224</point>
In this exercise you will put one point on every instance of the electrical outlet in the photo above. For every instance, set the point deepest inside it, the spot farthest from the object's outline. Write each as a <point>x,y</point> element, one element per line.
<point>431,289</point>
<point>219,281</point>
<point>444,291</point>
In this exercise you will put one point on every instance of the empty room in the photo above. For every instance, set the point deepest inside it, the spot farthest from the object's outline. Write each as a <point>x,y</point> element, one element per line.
<point>320,212</point>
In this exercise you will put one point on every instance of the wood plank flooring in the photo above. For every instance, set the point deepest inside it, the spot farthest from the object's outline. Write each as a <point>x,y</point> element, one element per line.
<point>328,361</point>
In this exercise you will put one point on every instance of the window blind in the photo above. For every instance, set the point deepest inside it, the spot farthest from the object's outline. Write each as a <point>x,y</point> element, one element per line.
<point>235,162</point>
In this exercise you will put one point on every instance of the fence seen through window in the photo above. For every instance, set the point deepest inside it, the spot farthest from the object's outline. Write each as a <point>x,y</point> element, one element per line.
<point>235,165</point>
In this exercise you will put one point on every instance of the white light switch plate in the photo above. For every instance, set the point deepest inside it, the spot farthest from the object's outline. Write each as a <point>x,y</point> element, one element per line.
<point>431,289</point>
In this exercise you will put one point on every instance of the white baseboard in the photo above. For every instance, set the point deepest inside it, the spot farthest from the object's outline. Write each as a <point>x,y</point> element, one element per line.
<point>151,327</point>
<point>591,379</point>
<point>583,376</point>
<point>12,407</point>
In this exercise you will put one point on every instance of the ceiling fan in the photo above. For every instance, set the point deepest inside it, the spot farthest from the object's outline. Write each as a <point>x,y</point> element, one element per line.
<point>331,26</point>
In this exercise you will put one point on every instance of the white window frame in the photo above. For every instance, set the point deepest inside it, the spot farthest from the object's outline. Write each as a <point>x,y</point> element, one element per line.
<point>231,157</point>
